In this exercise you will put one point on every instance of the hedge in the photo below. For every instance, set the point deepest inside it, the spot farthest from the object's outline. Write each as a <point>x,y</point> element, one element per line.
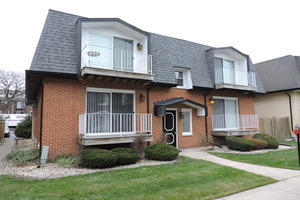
<point>98,158</point>
<point>272,143</point>
<point>126,156</point>
<point>238,143</point>
<point>162,152</point>
<point>258,144</point>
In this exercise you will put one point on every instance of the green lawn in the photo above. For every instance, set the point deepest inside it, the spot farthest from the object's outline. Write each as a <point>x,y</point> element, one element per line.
<point>287,159</point>
<point>186,179</point>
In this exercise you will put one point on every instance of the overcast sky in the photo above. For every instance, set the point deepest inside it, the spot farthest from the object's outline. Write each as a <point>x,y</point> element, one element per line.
<point>263,29</point>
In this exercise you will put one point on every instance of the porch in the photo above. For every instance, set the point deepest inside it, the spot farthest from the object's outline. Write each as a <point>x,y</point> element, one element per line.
<point>114,128</point>
<point>234,125</point>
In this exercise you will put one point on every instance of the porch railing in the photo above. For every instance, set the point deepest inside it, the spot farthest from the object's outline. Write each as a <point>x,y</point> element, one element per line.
<point>115,59</point>
<point>235,77</point>
<point>231,122</point>
<point>114,123</point>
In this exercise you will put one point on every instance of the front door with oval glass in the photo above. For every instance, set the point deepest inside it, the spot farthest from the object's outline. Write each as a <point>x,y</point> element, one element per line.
<point>169,128</point>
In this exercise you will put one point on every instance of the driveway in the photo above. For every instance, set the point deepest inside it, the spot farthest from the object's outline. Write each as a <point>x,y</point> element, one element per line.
<point>286,188</point>
<point>5,149</point>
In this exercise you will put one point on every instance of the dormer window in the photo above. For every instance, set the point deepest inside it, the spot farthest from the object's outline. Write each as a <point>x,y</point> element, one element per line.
<point>179,77</point>
<point>183,77</point>
<point>231,70</point>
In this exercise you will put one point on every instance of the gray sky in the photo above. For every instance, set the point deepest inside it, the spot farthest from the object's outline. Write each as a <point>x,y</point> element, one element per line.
<point>263,29</point>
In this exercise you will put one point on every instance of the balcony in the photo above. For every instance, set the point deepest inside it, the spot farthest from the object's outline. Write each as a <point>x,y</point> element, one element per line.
<point>113,128</point>
<point>235,79</point>
<point>114,62</point>
<point>225,125</point>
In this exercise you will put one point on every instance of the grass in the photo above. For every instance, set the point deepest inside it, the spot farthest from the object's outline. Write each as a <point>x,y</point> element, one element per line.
<point>287,159</point>
<point>186,179</point>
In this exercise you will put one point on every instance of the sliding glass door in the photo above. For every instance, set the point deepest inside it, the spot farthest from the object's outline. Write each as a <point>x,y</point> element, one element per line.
<point>109,112</point>
<point>225,114</point>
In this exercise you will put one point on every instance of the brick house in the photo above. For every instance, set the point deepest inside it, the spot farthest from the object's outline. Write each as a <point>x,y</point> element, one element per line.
<point>103,82</point>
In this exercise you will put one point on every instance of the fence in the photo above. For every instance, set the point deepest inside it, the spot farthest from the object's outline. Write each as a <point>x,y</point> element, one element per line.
<point>278,128</point>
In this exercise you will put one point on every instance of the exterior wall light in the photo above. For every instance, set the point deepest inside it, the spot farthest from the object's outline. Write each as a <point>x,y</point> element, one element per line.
<point>142,97</point>
<point>211,101</point>
<point>139,46</point>
<point>181,115</point>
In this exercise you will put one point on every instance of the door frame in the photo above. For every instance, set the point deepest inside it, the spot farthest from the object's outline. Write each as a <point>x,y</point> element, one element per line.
<point>176,123</point>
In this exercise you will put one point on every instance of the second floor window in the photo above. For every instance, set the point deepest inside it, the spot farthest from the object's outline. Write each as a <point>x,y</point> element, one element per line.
<point>179,77</point>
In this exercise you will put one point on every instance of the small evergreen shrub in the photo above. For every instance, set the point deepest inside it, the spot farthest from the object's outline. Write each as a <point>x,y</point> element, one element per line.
<point>126,156</point>
<point>238,143</point>
<point>23,157</point>
<point>163,152</point>
<point>272,142</point>
<point>258,144</point>
<point>23,129</point>
<point>98,158</point>
<point>66,160</point>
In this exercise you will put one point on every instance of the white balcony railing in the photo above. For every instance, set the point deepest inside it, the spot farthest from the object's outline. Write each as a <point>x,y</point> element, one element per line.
<point>115,59</point>
<point>114,123</point>
<point>235,77</point>
<point>232,122</point>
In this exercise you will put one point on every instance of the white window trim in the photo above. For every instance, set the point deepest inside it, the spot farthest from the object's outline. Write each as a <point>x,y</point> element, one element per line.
<point>190,111</point>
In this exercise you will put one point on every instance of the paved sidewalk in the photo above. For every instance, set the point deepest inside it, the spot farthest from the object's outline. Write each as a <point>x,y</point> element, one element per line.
<point>286,189</point>
<point>5,149</point>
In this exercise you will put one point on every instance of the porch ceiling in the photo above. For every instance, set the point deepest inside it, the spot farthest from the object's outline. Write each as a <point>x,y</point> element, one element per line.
<point>160,106</point>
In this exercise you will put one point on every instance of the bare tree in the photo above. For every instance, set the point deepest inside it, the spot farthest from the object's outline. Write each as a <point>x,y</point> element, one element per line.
<point>12,85</point>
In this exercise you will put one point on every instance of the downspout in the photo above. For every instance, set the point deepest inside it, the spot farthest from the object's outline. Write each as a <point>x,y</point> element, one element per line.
<point>291,110</point>
<point>148,102</point>
<point>41,124</point>
<point>206,125</point>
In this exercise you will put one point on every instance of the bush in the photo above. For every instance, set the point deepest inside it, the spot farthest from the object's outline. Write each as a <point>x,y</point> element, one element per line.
<point>98,158</point>
<point>272,142</point>
<point>258,144</point>
<point>23,157</point>
<point>126,156</point>
<point>23,129</point>
<point>238,143</point>
<point>66,161</point>
<point>161,152</point>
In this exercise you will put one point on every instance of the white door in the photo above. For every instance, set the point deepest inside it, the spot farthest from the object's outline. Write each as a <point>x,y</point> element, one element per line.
<point>100,51</point>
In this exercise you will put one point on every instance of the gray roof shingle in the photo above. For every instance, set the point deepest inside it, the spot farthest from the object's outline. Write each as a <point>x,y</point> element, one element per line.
<point>280,74</point>
<point>56,49</point>
<point>57,52</point>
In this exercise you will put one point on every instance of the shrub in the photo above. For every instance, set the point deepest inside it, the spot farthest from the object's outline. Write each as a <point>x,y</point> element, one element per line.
<point>272,142</point>
<point>238,143</point>
<point>66,160</point>
<point>98,158</point>
<point>23,157</point>
<point>161,152</point>
<point>258,144</point>
<point>24,128</point>
<point>126,156</point>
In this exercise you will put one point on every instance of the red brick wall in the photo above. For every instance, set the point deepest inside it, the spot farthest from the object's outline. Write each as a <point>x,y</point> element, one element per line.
<point>65,99</point>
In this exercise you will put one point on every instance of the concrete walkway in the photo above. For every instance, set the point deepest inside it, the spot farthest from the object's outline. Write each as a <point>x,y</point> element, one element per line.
<point>287,187</point>
<point>5,149</point>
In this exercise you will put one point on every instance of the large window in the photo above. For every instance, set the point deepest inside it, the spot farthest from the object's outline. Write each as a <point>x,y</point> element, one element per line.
<point>110,112</point>
<point>226,113</point>
<point>225,70</point>
<point>187,128</point>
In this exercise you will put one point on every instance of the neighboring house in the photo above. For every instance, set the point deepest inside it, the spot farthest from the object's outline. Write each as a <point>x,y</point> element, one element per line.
<point>281,80</point>
<point>103,82</point>
<point>18,105</point>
